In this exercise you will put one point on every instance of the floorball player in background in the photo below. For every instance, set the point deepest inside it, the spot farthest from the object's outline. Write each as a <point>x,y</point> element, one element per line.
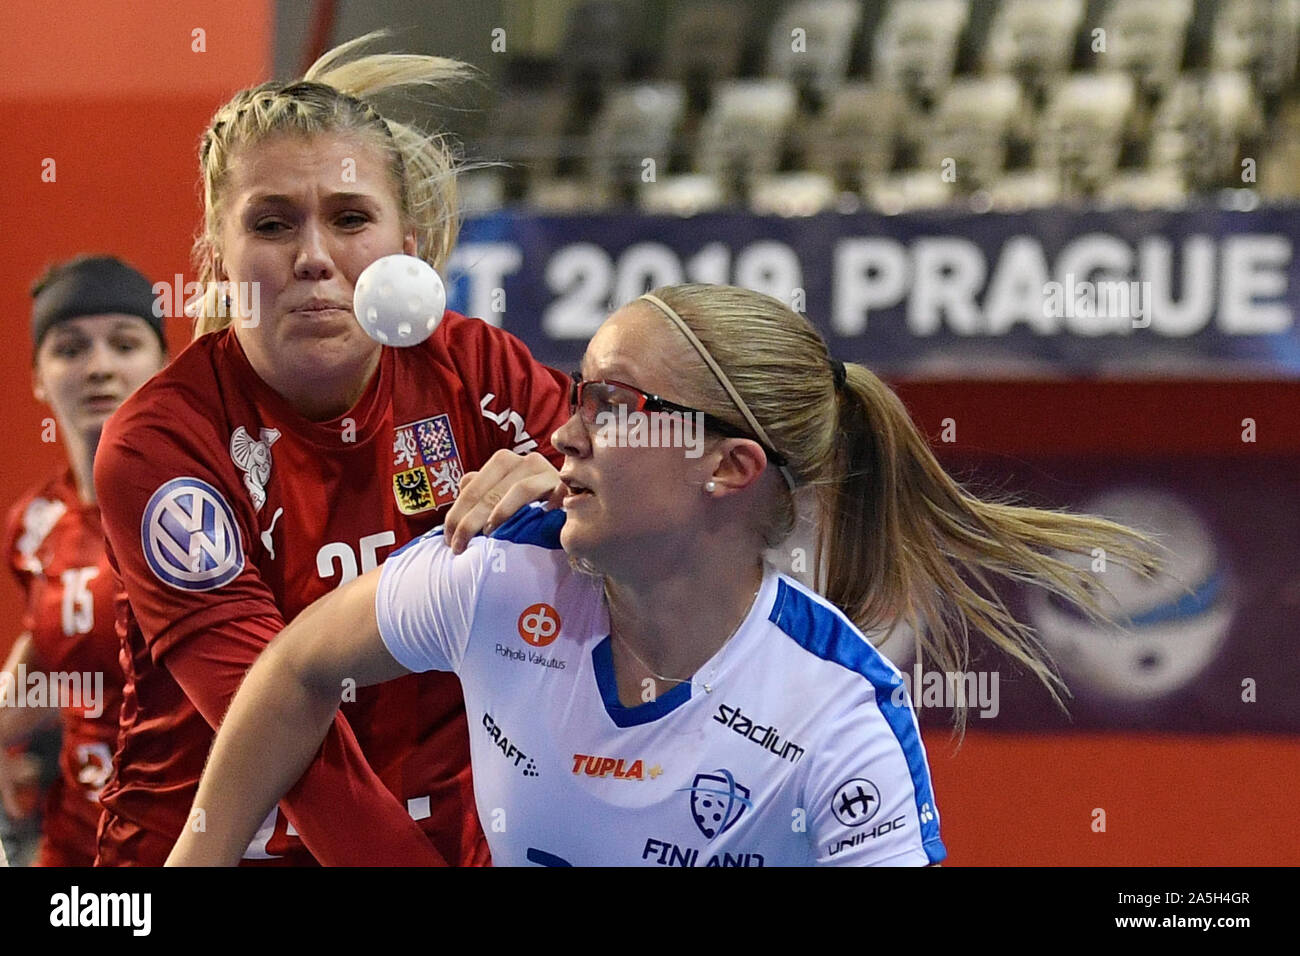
<point>96,339</point>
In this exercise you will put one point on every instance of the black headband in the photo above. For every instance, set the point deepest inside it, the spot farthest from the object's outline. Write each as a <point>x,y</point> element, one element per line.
<point>92,285</point>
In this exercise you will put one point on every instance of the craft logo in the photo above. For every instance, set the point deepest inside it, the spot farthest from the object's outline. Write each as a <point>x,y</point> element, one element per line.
<point>615,767</point>
<point>717,802</point>
<point>769,738</point>
<point>855,802</point>
<point>509,750</point>
<point>430,474</point>
<point>539,625</point>
<point>189,536</point>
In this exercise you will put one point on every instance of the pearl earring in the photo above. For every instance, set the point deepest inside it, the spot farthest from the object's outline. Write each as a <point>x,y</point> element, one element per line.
<point>710,486</point>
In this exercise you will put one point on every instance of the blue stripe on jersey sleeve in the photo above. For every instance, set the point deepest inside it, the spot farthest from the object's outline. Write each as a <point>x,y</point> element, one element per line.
<point>822,632</point>
<point>532,524</point>
<point>431,533</point>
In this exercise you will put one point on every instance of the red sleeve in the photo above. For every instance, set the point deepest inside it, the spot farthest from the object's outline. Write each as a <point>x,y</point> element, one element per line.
<point>519,384</point>
<point>342,811</point>
<point>141,455</point>
<point>12,530</point>
<point>207,639</point>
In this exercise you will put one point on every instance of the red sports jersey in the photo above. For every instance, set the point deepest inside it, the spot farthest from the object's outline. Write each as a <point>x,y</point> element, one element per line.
<point>56,550</point>
<point>227,513</point>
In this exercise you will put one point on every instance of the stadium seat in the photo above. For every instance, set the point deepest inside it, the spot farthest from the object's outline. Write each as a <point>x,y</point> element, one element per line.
<point>811,43</point>
<point>596,50</point>
<point>853,141</point>
<point>1259,37</point>
<point>480,191</point>
<point>1146,39</point>
<point>915,47</point>
<point>1144,189</point>
<point>970,125</point>
<point>1200,124</point>
<point>1024,189</point>
<point>704,43</point>
<point>1083,128</point>
<point>743,133</point>
<point>792,194</point>
<point>681,195</point>
<point>567,195</point>
<point>637,123</point>
<point>908,191</point>
<point>1032,40</point>
<point>528,131</point>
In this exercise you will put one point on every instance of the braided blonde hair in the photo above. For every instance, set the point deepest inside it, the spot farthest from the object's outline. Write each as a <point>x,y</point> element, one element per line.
<point>334,96</point>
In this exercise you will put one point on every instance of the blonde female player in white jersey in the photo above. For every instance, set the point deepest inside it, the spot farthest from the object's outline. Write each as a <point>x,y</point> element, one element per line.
<point>653,693</point>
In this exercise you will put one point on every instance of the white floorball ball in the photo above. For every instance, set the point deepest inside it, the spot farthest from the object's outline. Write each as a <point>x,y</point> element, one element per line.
<point>399,300</point>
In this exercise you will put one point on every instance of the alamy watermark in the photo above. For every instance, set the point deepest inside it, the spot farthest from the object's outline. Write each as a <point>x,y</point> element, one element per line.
<point>234,300</point>
<point>67,690</point>
<point>949,689</point>
<point>631,429</point>
<point>1104,299</point>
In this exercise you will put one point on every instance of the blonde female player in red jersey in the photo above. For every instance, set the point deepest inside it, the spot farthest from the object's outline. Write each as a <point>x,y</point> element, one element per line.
<point>284,453</point>
<point>95,339</point>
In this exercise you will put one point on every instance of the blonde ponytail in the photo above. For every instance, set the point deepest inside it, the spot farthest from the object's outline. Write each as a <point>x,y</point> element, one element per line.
<point>898,538</point>
<point>897,533</point>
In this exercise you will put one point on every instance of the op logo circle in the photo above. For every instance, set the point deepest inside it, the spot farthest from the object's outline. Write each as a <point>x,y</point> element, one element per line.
<point>539,625</point>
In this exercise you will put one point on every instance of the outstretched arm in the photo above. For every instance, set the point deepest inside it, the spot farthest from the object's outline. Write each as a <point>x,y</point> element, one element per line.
<point>19,723</point>
<point>277,721</point>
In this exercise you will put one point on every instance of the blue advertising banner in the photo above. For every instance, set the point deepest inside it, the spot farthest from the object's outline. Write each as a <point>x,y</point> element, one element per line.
<point>1202,292</point>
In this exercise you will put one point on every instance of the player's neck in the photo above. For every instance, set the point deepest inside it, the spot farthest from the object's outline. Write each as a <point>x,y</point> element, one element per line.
<point>667,628</point>
<point>81,456</point>
<point>320,398</point>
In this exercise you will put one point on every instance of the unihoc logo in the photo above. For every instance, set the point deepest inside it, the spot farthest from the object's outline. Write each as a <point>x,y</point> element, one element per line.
<point>855,802</point>
<point>539,625</point>
<point>717,801</point>
<point>633,429</point>
<point>190,537</point>
<point>235,300</point>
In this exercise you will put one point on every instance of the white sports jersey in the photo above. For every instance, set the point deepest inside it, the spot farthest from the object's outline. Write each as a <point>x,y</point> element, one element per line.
<point>796,755</point>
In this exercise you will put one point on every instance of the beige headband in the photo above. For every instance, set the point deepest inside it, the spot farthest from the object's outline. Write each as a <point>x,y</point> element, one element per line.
<point>722,379</point>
